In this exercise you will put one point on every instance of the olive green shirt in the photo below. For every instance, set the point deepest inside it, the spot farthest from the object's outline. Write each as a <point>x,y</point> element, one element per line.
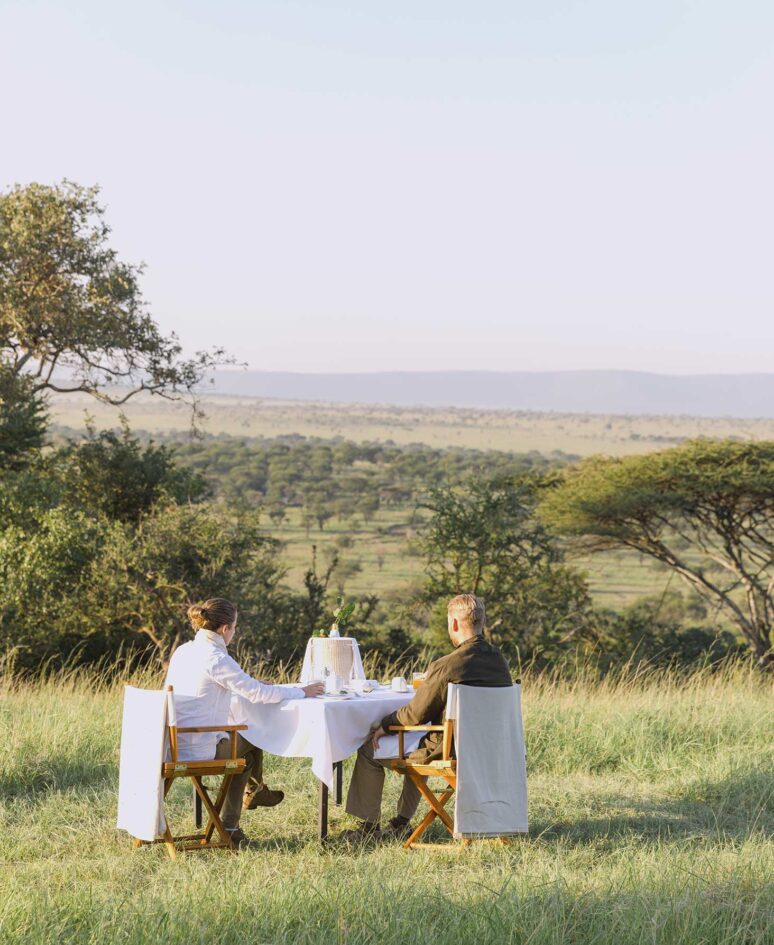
<point>475,662</point>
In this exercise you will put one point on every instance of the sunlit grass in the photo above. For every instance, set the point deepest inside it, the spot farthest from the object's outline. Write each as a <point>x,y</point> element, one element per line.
<point>651,806</point>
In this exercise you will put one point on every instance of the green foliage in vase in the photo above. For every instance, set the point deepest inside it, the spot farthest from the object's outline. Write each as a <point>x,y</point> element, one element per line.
<point>342,614</point>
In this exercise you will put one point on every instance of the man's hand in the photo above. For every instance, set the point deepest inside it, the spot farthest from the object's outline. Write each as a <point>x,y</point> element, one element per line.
<point>313,689</point>
<point>375,736</point>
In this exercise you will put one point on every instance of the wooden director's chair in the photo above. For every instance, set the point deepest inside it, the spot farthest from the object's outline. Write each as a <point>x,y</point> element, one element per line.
<point>446,767</point>
<point>214,834</point>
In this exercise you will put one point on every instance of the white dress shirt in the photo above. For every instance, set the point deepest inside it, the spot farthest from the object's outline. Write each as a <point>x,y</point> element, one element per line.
<point>204,677</point>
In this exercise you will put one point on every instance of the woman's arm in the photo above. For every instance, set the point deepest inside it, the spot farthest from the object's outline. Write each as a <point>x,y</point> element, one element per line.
<point>229,674</point>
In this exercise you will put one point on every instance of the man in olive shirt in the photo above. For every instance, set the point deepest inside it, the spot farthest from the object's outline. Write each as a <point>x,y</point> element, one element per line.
<point>473,662</point>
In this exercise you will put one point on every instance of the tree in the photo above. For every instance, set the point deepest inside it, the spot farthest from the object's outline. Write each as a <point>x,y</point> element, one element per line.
<point>316,587</point>
<point>704,509</point>
<point>48,588</point>
<point>72,317</point>
<point>320,512</point>
<point>82,583</point>
<point>181,554</point>
<point>22,420</point>
<point>483,539</point>
<point>115,474</point>
<point>277,513</point>
<point>368,506</point>
<point>346,569</point>
<point>107,473</point>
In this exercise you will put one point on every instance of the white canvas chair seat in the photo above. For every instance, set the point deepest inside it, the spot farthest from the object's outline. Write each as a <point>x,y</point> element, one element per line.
<point>487,771</point>
<point>150,764</point>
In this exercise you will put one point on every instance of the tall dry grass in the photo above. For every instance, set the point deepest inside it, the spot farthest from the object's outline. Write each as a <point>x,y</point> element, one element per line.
<point>652,820</point>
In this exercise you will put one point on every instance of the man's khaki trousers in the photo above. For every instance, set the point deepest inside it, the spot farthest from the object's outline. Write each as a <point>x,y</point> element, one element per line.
<point>232,806</point>
<point>364,798</point>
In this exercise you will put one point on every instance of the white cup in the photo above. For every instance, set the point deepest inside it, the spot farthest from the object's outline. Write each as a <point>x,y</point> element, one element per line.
<point>399,684</point>
<point>332,683</point>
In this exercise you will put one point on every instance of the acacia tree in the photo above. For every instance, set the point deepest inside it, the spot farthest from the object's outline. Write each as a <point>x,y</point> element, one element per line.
<point>483,538</point>
<point>704,509</point>
<point>72,316</point>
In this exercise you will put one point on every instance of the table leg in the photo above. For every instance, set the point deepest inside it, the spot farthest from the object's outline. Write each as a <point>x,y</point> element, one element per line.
<point>322,819</point>
<point>197,803</point>
<point>339,769</point>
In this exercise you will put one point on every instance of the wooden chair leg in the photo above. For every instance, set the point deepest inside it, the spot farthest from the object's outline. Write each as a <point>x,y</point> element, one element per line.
<point>433,801</point>
<point>427,820</point>
<point>169,842</point>
<point>420,829</point>
<point>214,814</point>
<point>218,805</point>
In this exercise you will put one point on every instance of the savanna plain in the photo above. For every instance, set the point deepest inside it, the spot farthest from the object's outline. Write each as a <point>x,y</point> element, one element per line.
<point>651,791</point>
<point>651,820</point>
<point>380,547</point>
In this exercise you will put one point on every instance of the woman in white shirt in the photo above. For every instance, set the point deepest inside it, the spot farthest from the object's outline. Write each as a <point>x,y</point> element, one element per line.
<point>204,677</point>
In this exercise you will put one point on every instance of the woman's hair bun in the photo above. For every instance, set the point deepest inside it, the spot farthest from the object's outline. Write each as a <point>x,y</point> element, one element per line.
<point>212,614</point>
<point>197,614</point>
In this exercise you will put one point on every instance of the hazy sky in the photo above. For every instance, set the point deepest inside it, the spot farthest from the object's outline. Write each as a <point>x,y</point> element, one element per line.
<point>420,185</point>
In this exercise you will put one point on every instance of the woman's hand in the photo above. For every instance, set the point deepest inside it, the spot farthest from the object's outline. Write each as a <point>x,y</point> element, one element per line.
<point>313,689</point>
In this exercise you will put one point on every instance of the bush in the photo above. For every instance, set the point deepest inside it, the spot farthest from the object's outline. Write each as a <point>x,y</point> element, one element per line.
<point>662,630</point>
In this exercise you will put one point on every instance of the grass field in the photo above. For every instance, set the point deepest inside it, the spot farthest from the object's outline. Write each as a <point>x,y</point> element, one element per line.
<point>651,811</point>
<point>382,548</point>
<point>510,430</point>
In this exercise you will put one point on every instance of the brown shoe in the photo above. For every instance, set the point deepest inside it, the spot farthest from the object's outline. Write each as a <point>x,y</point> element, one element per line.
<point>239,840</point>
<point>362,834</point>
<point>396,831</point>
<point>259,795</point>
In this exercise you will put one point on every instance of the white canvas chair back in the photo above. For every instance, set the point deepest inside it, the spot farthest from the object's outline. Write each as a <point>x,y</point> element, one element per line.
<point>491,796</point>
<point>143,746</point>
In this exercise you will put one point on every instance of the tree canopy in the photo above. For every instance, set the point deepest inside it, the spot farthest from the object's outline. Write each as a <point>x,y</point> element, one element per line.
<point>72,316</point>
<point>23,419</point>
<point>704,509</point>
<point>483,539</point>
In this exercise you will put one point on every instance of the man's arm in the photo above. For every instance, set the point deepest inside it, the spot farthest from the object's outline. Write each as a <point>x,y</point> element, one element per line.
<point>427,705</point>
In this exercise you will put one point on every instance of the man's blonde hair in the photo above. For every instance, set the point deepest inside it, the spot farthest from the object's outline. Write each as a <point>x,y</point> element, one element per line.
<point>469,612</point>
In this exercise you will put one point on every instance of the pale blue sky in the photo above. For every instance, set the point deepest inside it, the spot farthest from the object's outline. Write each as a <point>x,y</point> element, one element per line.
<point>420,185</point>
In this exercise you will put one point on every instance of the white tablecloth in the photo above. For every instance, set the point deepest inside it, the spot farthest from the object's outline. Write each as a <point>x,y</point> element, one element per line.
<point>323,729</point>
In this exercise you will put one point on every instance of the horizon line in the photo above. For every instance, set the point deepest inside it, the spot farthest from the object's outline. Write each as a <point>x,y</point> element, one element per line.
<point>246,369</point>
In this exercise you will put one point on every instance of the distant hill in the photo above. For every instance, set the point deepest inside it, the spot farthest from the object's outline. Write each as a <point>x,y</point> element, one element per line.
<point>606,392</point>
